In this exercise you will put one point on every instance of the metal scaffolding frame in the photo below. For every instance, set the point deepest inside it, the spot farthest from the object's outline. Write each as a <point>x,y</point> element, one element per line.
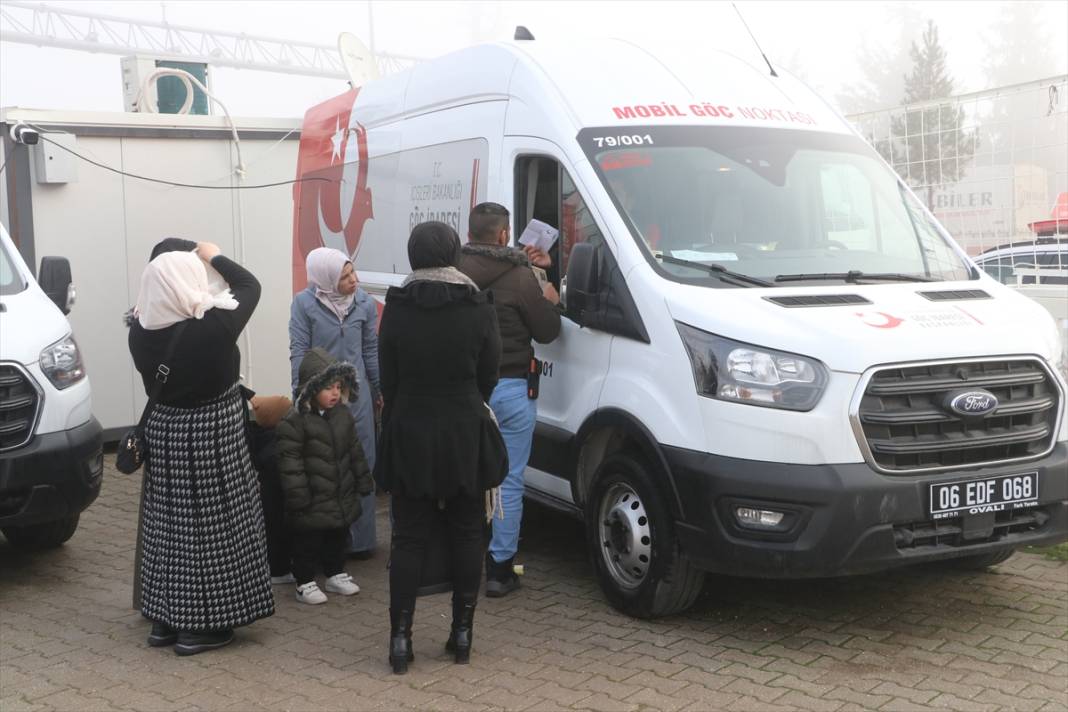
<point>45,26</point>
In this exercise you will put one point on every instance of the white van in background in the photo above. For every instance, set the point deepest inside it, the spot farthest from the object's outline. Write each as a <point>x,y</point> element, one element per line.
<point>774,361</point>
<point>51,462</point>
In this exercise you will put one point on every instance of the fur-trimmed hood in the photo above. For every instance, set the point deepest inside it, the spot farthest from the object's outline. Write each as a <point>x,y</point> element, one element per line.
<point>504,253</point>
<point>318,369</point>
<point>485,263</point>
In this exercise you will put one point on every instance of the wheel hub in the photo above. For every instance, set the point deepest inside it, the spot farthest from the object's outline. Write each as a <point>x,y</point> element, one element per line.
<point>625,535</point>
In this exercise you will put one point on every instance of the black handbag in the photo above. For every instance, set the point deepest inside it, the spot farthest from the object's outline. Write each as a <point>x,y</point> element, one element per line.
<point>133,448</point>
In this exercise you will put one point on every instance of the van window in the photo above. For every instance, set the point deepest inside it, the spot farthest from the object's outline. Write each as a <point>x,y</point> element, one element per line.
<point>10,280</point>
<point>766,203</point>
<point>576,222</point>
<point>545,192</point>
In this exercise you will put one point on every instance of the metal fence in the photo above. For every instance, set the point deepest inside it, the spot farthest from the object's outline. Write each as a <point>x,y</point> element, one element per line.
<point>989,164</point>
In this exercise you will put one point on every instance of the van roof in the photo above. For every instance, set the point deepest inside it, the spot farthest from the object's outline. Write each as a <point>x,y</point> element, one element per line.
<point>605,83</point>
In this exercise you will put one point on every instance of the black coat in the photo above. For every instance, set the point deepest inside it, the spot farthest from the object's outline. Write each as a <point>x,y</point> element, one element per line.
<point>321,464</point>
<point>439,350</point>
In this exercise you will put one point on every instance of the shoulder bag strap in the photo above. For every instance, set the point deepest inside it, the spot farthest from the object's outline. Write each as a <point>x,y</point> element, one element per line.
<point>162,372</point>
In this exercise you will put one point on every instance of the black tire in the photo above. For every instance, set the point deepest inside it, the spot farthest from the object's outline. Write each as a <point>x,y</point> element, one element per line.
<point>632,543</point>
<point>982,561</point>
<point>46,535</point>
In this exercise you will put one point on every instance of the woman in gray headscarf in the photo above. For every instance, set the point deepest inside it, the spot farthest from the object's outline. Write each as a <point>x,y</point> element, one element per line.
<point>334,314</point>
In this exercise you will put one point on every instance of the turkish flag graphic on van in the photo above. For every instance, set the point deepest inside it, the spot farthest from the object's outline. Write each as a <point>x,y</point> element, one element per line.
<point>332,201</point>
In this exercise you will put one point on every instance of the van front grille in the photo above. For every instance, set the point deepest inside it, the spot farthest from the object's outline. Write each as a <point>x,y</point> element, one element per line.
<point>19,402</point>
<point>907,425</point>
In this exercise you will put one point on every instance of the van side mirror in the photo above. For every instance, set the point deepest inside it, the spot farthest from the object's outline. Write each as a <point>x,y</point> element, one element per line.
<point>54,278</point>
<point>582,282</point>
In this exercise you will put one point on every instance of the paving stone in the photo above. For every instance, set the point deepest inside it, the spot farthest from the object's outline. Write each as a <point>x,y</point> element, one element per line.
<point>913,639</point>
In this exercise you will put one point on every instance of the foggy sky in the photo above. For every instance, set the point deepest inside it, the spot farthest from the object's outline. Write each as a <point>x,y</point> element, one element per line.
<point>821,41</point>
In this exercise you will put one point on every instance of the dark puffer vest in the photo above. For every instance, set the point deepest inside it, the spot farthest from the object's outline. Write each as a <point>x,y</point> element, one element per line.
<point>320,461</point>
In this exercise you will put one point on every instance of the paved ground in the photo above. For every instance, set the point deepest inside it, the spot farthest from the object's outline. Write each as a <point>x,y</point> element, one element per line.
<point>905,640</point>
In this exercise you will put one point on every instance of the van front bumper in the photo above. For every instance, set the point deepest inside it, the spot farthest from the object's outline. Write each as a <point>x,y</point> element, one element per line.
<point>56,475</point>
<point>847,519</point>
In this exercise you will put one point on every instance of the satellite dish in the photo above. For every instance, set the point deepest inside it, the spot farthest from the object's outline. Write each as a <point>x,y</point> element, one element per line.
<point>358,61</point>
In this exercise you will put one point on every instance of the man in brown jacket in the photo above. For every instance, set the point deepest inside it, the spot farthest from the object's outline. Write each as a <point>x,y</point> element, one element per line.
<point>525,310</point>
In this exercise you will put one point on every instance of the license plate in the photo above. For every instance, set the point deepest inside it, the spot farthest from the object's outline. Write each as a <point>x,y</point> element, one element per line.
<point>992,494</point>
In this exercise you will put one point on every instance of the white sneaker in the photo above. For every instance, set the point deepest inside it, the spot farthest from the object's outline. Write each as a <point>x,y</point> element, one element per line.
<point>342,583</point>
<point>309,593</point>
<point>284,578</point>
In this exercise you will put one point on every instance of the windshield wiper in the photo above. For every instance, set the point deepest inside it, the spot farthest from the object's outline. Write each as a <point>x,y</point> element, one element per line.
<point>852,276</point>
<point>736,278</point>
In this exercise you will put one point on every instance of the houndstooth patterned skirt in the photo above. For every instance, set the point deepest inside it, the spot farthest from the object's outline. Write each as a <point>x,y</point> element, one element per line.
<point>204,561</point>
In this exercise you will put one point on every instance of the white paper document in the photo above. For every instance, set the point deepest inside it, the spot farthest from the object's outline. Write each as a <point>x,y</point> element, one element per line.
<point>539,235</point>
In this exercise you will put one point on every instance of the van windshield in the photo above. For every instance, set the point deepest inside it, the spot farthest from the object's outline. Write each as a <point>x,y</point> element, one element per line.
<point>778,205</point>
<point>10,280</point>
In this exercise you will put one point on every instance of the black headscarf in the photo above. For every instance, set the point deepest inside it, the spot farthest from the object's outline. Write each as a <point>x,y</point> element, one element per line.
<point>433,244</point>
<point>172,244</point>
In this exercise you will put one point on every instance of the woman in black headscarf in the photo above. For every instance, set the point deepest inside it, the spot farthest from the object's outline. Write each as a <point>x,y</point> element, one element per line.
<point>440,450</point>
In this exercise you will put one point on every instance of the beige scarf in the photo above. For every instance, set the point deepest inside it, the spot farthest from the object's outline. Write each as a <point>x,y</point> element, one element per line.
<point>174,287</point>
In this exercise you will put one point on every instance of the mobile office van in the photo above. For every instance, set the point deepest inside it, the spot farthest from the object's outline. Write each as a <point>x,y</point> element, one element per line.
<point>774,361</point>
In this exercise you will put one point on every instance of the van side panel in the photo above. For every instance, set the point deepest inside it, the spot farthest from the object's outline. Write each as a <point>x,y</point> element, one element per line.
<point>445,164</point>
<point>370,184</point>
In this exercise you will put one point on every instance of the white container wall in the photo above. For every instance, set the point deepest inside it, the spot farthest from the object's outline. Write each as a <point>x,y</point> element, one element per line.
<point>106,225</point>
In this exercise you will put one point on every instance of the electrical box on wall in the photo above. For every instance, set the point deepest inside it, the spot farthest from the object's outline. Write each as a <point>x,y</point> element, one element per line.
<point>168,93</point>
<point>51,163</point>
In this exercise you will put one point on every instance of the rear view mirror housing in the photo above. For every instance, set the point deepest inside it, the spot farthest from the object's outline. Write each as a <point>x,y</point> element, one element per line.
<point>54,278</point>
<point>582,283</point>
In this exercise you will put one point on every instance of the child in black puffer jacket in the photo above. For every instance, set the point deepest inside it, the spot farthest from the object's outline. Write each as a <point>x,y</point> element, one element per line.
<point>323,473</point>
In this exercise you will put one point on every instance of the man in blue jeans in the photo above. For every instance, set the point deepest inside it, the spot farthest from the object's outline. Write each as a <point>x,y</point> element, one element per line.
<point>525,310</point>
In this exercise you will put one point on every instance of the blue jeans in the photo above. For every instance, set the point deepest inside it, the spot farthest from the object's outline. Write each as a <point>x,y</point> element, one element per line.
<point>516,415</point>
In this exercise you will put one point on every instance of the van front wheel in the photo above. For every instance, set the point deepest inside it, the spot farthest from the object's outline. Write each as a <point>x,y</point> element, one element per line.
<point>46,535</point>
<point>632,543</point>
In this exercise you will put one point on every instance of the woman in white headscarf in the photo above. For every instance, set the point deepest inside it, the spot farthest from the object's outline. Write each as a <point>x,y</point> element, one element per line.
<point>203,569</point>
<point>334,314</point>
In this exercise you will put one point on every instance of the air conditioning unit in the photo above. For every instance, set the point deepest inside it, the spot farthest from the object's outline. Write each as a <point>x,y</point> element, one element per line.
<point>168,93</point>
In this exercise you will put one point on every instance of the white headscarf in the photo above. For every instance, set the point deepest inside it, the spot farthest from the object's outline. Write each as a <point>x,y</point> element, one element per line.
<point>174,287</point>
<point>324,265</point>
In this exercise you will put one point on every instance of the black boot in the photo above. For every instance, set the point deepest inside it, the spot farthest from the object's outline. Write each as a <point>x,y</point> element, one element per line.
<point>463,620</point>
<point>400,640</point>
<point>161,635</point>
<point>500,578</point>
<point>191,643</point>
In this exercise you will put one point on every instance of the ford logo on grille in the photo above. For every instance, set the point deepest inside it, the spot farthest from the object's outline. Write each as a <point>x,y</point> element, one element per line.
<point>972,404</point>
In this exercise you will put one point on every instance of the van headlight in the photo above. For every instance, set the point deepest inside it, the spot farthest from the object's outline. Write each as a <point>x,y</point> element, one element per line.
<point>62,363</point>
<point>743,373</point>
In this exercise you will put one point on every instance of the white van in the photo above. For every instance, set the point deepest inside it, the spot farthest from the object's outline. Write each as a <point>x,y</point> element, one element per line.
<point>774,361</point>
<point>51,462</point>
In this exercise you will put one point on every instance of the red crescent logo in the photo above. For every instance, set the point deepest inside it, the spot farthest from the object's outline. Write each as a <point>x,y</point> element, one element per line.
<point>324,143</point>
<point>880,320</point>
